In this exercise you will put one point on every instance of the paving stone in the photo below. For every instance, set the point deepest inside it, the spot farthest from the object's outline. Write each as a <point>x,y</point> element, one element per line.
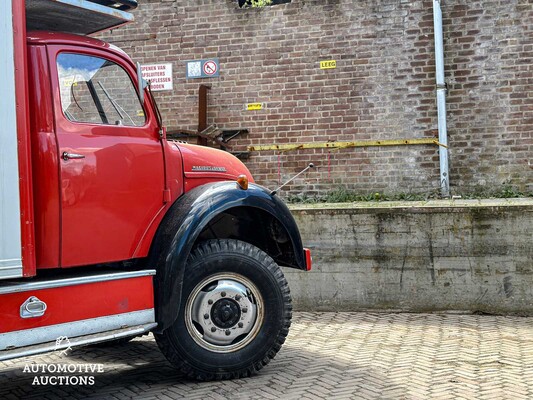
<point>326,356</point>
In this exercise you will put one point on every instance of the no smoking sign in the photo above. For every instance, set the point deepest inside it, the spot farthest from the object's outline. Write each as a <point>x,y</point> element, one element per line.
<point>208,68</point>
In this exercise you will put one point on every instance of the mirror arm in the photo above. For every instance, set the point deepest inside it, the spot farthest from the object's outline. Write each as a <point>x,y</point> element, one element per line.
<point>141,83</point>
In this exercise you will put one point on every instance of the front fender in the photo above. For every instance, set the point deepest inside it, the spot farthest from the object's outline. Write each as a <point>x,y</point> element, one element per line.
<point>185,221</point>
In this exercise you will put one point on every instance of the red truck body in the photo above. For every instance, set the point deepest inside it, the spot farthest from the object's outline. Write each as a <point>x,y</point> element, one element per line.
<point>113,216</point>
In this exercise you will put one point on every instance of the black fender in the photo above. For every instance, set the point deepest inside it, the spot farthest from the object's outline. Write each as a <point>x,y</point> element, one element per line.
<point>185,221</point>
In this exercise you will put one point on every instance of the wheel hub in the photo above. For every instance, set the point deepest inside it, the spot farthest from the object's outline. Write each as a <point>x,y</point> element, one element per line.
<point>225,313</point>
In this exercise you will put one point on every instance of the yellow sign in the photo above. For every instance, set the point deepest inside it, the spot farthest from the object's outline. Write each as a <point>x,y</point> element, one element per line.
<point>68,82</point>
<point>254,106</point>
<point>329,64</point>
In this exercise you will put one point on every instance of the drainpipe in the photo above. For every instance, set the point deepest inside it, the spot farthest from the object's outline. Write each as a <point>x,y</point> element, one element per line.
<point>441,100</point>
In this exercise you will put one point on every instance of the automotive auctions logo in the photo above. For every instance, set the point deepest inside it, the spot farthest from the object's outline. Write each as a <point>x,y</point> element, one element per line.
<point>60,374</point>
<point>59,344</point>
<point>63,374</point>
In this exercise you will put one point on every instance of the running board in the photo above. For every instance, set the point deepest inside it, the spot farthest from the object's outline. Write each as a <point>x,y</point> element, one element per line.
<point>76,342</point>
<point>76,307</point>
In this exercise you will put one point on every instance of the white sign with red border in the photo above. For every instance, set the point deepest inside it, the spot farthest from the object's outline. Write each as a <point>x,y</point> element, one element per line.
<point>160,76</point>
<point>210,68</point>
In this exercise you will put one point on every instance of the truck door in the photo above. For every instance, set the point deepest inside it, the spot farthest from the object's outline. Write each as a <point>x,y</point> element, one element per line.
<point>111,167</point>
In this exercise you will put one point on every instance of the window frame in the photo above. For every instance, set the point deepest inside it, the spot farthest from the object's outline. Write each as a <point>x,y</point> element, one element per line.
<point>109,57</point>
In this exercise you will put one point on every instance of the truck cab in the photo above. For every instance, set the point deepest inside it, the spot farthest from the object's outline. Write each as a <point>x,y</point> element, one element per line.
<point>97,158</point>
<point>108,229</point>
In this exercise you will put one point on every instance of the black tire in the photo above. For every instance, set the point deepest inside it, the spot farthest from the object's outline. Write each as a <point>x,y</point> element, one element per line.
<point>213,266</point>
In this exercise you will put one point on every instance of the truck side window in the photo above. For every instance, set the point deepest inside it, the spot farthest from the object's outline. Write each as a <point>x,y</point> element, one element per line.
<point>97,91</point>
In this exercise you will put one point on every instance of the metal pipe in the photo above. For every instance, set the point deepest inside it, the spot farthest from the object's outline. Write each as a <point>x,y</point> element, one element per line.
<point>441,99</point>
<point>202,113</point>
<point>311,165</point>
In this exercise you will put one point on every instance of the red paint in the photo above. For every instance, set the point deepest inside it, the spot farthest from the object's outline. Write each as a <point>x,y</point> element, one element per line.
<point>45,161</point>
<point>46,164</point>
<point>199,156</point>
<point>308,259</point>
<point>108,202</point>
<point>106,207</point>
<point>51,38</point>
<point>75,303</point>
<point>24,145</point>
<point>174,189</point>
<point>102,208</point>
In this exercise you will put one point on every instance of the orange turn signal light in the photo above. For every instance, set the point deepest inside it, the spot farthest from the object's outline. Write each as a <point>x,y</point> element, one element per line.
<point>242,181</point>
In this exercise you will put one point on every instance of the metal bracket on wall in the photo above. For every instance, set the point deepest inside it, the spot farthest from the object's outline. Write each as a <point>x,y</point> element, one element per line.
<point>213,134</point>
<point>210,133</point>
<point>345,145</point>
<point>228,134</point>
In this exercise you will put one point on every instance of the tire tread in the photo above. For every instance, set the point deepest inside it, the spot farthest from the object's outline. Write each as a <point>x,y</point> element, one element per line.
<point>202,251</point>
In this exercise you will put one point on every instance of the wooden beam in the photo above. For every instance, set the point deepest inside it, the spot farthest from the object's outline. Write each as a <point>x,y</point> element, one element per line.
<point>344,145</point>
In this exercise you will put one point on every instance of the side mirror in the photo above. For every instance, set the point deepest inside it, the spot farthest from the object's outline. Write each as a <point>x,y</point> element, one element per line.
<point>143,84</point>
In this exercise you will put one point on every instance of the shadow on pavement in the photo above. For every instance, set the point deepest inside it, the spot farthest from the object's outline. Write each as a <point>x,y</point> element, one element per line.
<point>138,370</point>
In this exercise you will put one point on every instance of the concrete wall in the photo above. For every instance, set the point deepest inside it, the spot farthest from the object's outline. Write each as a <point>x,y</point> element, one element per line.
<point>440,255</point>
<point>383,86</point>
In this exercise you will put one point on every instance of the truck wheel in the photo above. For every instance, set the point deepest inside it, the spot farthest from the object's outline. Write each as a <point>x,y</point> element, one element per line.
<point>235,314</point>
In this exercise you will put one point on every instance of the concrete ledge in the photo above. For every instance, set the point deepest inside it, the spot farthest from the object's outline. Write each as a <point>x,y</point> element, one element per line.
<point>463,255</point>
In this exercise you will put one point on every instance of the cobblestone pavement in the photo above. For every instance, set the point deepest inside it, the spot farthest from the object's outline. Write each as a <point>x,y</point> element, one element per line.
<point>327,355</point>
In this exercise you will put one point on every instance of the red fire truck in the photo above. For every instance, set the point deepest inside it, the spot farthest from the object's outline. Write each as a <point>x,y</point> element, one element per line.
<point>107,229</point>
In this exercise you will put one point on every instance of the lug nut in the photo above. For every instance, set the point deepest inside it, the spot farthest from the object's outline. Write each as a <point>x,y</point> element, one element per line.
<point>209,301</point>
<point>223,294</point>
<point>206,316</point>
<point>245,310</point>
<point>213,329</point>
<point>238,297</point>
<point>228,332</point>
<point>241,324</point>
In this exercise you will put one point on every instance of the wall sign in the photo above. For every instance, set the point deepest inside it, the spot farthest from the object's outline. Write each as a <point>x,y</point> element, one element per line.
<point>328,64</point>
<point>254,106</point>
<point>160,76</point>
<point>208,68</point>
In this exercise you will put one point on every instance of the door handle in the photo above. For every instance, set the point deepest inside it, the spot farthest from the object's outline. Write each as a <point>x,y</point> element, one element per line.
<point>71,156</point>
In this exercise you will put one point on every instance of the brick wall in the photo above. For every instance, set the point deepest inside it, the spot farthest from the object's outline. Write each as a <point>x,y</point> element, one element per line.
<point>383,86</point>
